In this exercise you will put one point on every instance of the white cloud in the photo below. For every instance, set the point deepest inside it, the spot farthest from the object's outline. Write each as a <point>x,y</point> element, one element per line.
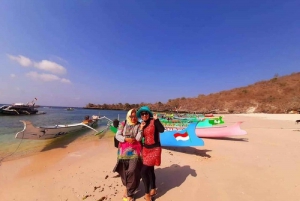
<point>44,65</point>
<point>23,61</point>
<point>12,75</point>
<point>54,57</point>
<point>50,66</point>
<point>65,80</point>
<point>46,77</point>
<point>43,76</point>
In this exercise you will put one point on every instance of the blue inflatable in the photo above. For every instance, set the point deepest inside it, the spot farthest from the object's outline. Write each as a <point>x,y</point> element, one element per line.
<point>204,123</point>
<point>179,138</point>
<point>183,138</point>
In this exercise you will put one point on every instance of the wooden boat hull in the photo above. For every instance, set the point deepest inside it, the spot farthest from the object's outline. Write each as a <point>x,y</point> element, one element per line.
<point>224,131</point>
<point>48,132</point>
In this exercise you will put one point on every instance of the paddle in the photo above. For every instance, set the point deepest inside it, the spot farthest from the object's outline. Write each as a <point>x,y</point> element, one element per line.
<point>101,131</point>
<point>97,132</point>
<point>89,127</point>
<point>109,122</point>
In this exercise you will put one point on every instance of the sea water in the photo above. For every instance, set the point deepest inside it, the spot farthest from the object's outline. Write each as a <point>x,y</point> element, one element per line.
<point>11,148</point>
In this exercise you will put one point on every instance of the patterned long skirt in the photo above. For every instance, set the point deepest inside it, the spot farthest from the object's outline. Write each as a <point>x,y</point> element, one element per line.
<point>130,173</point>
<point>152,156</point>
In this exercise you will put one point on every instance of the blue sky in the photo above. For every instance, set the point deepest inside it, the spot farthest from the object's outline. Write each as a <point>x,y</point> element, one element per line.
<point>71,53</point>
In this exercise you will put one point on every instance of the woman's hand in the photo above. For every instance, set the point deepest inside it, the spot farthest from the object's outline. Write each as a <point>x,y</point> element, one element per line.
<point>142,125</point>
<point>130,140</point>
<point>155,116</point>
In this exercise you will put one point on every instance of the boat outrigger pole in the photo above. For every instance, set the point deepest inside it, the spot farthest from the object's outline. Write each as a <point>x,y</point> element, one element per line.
<point>108,125</point>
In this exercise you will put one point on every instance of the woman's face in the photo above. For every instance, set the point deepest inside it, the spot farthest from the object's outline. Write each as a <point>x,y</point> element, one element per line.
<point>133,117</point>
<point>145,116</point>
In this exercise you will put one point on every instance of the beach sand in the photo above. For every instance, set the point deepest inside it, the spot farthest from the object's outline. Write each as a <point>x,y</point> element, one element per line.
<point>262,165</point>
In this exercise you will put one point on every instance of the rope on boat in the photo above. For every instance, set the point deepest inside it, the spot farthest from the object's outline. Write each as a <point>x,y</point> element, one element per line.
<point>12,152</point>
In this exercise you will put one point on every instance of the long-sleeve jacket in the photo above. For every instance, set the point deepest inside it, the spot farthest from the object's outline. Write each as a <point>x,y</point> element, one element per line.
<point>128,131</point>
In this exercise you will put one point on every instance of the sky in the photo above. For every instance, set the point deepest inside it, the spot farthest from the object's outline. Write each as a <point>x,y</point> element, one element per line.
<point>75,52</point>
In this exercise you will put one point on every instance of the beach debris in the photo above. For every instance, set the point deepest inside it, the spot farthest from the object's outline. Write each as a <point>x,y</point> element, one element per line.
<point>106,176</point>
<point>102,198</point>
<point>116,176</point>
<point>96,187</point>
<point>86,196</point>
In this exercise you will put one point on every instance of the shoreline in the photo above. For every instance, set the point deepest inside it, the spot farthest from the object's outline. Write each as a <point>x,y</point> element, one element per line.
<point>282,117</point>
<point>264,164</point>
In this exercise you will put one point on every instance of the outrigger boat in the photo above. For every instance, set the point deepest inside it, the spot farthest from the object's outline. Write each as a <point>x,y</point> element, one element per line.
<point>48,132</point>
<point>187,120</point>
<point>179,125</point>
<point>20,109</point>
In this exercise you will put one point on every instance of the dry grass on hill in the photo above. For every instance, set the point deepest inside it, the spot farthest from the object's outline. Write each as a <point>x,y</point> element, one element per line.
<point>277,95</point>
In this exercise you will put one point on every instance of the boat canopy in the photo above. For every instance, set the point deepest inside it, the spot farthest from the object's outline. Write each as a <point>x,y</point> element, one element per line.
<point>18,104</point>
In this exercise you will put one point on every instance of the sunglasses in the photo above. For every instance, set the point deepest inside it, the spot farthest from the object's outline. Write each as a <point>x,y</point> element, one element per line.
<point>144,113</point>
<point>132,117</point>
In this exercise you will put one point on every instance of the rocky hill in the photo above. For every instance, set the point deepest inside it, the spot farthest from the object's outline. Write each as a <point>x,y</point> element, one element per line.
<point>277,95</point>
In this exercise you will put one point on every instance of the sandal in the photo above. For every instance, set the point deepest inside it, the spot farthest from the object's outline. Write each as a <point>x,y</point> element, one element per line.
<point>150,198</point>
<point>153,192</point>
<point>125,195</point>
<point>128,199</point>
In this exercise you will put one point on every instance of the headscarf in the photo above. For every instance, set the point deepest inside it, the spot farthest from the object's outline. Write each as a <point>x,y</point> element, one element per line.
<point>128,119</point>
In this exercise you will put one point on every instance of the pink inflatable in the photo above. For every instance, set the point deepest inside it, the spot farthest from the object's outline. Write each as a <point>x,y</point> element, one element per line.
<point>222,131</point>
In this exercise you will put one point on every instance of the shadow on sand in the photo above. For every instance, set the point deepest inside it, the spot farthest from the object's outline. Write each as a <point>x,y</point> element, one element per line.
<point>165,177</point>
<point>105,133</point>
<point>190,150</point>
<point>63,141</point>
<point>227,138</point>
<point>168,178</point>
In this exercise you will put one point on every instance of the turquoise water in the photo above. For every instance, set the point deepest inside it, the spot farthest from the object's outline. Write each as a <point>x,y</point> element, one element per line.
<point>11,148</point>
